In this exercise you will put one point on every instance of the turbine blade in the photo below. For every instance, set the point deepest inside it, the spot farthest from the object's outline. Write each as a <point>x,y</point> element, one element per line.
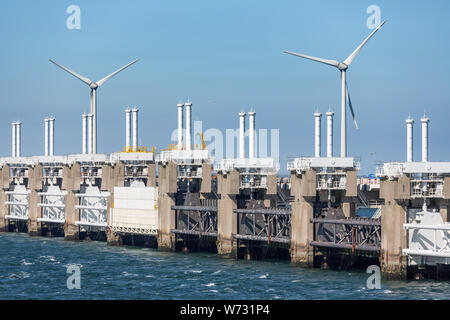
<point>102,81</point>
<point>347,95</point>
<point>333,63</point>
<point>350,58</point>
<point>76,75</point>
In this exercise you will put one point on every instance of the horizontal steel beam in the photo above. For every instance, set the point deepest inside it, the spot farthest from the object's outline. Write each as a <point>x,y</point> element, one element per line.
<point>195,208</point>
<point>354,222</point>
<point>261,238</point>
<point>344,246</point>
<point>264,211</point>
<point>199,233</point>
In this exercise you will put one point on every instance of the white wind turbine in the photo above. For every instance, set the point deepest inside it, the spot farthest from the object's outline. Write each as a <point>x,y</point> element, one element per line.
<point>93,98</point>
<point>342,66</point>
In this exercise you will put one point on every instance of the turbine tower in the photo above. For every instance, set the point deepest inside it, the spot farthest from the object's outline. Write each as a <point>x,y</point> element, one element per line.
<point>345,96</point>
<point>93,97</point>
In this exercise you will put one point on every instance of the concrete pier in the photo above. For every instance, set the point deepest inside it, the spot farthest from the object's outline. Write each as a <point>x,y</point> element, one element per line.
<point>34,185</point>
<point>71,183</point>
<point>303,189</point>
<point>228,188</point>
<point>167,189</point>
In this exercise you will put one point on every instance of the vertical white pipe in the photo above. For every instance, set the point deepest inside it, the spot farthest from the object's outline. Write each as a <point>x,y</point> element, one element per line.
<point>424,121</point>
<point>135,129</point>
<point>188,125</point>
<point>46,136</point>
<point>84,129</point>
<point>127,129</point>
<point>89,125</point>
<point>330,134</point>
<point>18,138</point>
<point>13,139</point>
<point>317,122</point>
<point>251,134</point>
<point>343,117</point>
<point>51,148</point>
<point>409,139</point>
<point>180,126</point>
<point>241,135</point>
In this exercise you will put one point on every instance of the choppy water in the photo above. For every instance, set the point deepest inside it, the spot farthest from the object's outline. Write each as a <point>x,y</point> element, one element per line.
<point>35,268</point>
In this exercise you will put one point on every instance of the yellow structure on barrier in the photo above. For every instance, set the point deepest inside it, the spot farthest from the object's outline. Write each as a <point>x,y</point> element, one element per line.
<point>140,149</point>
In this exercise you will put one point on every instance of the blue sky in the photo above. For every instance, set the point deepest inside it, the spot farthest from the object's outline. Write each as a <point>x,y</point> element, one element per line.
<point>227,56</point>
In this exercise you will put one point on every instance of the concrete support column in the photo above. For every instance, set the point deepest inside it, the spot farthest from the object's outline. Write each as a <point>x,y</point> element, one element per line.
<point>303,188</point>
<point>226,226</point>
<point>4,185</point>
<point>166,216</point>
<point>227,221</point>
<point>34,185</point>
<point>151,175</point>
<point>393,236</point>
<point>445,212</point>
<point>349,208</point>
<point>71,183</point>
<point>3,211</point>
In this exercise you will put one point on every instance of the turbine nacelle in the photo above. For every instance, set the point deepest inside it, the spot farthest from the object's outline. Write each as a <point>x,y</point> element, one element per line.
<point>93,85</point>
<point>342,66</point>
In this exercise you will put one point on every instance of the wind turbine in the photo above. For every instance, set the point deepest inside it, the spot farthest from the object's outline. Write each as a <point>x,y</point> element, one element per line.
<point>342,67</point>
<point>93,97</point>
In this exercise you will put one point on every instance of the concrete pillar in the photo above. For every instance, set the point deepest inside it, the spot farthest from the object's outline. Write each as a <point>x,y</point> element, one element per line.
<point>166,216</point>
<point>166,222</point>
<point>393,235</point>
<point>4,185</point>
<point>445,212</point>
<point>226,225</point>
<point>302,231</point>
<point>34,185</point>
<point>349,208</point>
<point>228,188</point>
<point>71,183</point>
<point>151,175</point>
<point>3,211</point>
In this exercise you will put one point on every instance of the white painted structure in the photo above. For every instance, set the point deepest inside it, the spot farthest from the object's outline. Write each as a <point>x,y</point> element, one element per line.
<point>13,139</point>
<point>135,209</point>
<point>135,129</point>
<point>188,134</point>
<point>53,205</point>
<point>17,202</point>
<point>51,138</point>
<point>251,134</point>
<point>127,129</point>
<point>317,123</point>
<point>84,135</point>
<point>92,208</point>
<point>180,126</point>
<point>242,135</point>
<point>409,139</point>
<point>89,136</point>
<point>424,120</point>
<point>18,138</point>
<point>330,134</point>
<point>428,238</point>
<point>46,136</point>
